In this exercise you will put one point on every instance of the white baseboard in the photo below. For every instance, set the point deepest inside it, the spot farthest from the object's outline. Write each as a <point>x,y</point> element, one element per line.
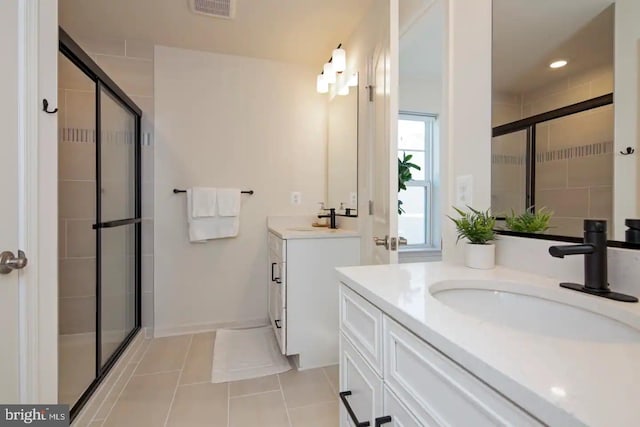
<point>207,327</point>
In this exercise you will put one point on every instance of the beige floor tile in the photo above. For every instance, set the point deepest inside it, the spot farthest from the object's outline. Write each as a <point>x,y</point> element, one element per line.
<point>197,368</point>
<point>200,405</point>
<point>112,397</point>
<point>302,388</point>
<point>333,373</point>
<point>264,410</point>
<point>164,354</point>
<point>320,415</point>
<point>96,423</point>
<point>254,385</point>
<point>144,402</point>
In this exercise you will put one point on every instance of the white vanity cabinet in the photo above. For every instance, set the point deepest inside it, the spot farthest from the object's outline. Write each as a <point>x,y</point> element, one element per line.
<point>303,291</point>
<point>394,378</point>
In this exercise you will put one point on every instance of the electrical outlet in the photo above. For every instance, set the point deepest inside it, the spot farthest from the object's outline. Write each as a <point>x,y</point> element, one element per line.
<point>353,199</point>
<point>464,191</point>
<point>296,197</point>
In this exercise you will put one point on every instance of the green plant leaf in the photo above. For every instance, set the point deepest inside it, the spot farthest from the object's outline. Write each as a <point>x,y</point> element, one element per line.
<point>529,221</point>
<point>475,226</point>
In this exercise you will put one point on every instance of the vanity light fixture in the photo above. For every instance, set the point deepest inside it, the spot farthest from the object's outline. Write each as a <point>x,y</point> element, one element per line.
<point>559,63</point>
<point>333,69</point>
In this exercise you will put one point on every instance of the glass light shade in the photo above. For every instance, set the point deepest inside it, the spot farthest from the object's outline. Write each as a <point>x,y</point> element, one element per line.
<point>339,60</point>
<point>329,73</point>
<point>353,80</point>
<point>344,90</point>
<point>322,86</point>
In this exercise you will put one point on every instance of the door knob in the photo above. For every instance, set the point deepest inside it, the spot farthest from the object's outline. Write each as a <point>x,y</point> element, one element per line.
<point>402,241</point>
<point>382,242</point>
<point>9,262</point>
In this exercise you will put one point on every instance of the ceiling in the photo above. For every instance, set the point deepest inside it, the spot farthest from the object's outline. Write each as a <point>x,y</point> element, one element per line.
<point>528,35</point>
<point>298,31</point>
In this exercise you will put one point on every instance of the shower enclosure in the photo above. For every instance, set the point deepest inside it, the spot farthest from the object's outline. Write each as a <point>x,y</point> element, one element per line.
<point>100,218</point>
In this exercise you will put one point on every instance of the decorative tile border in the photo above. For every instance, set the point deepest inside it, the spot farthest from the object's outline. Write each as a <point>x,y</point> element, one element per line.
<point>81,135</point>
<point>580,151</point>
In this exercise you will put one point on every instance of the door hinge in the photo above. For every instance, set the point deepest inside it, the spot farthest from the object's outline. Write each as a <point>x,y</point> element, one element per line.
<point>370,207</point>
<point>370,89</point>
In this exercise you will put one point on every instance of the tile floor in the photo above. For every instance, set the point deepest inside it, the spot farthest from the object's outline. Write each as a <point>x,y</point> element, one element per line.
<point>169,386</point>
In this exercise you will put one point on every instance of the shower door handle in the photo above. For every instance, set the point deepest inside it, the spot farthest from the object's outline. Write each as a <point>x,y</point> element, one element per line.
<point>9,262</point>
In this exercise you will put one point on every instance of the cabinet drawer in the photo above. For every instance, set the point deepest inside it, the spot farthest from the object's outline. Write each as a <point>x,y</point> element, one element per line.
<point>363,384</point>
<point>278,246</point>
<point>435,388</point>
<point>399,414</point>
<point>361,322</point>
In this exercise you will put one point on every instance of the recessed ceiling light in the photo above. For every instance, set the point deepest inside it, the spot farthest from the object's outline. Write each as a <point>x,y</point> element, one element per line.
<point>558,64</point>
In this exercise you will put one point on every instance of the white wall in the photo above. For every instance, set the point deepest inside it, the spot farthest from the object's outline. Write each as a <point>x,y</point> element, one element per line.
<point>421,95</point>
<point>626,197</point>
<point>466,119</point>
<point>229,121</point>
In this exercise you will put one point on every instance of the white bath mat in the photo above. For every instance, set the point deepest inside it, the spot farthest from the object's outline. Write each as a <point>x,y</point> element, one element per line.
<point>240,354</point>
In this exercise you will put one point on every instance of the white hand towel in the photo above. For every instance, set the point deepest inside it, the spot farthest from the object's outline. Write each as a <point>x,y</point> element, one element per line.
<point>207,228</point>
<point>203,202</point>
<point>228,202</point>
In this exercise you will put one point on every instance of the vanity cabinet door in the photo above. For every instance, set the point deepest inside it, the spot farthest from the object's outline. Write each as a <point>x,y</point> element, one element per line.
<point>399,415</point>
<point>360,387</point>
<point>435,388</point>
<point>278,290</point>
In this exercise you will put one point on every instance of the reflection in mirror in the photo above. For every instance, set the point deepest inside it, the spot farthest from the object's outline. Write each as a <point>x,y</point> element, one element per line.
<point>553,124</point>
<point>342,176</point>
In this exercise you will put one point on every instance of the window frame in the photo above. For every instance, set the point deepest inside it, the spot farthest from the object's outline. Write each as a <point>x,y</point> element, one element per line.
<point>430,169</point>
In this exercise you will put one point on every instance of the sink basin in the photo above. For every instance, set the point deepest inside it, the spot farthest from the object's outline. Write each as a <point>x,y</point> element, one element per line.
<point>511,306</point>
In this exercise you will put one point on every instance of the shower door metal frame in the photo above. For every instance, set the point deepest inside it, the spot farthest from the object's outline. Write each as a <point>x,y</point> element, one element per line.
<point>529,125</point>
<point>72,51</point>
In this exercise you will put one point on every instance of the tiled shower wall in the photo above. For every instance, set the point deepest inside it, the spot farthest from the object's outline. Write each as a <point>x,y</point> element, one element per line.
<point>574,165</point>
<point>130,64</point>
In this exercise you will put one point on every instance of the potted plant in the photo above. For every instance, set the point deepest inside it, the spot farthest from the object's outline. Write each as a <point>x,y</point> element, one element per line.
<point>529,221</point>
<point>404,175</point>
<point>478,228</point>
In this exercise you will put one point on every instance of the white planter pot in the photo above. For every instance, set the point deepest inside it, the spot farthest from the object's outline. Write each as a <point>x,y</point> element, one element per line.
<point>480,256</point>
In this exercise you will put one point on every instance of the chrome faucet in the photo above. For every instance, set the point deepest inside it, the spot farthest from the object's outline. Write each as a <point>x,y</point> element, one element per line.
<point>594,250</point>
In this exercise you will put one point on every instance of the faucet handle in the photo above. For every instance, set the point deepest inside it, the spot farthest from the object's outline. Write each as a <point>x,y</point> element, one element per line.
<point>595,225</point>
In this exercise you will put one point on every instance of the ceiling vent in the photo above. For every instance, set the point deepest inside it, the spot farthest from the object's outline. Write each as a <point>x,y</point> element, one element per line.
<point>215,8</point>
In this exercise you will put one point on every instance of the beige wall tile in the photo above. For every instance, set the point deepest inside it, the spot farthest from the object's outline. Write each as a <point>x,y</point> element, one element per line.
<point>264,410</point>
<point>505,113</point>
<point>601,203</point>
<point>594,126</point>
<point>102,46</point>
<point>80,111</point>
<point>144,401</point>
<point>566,226</point>
<point>81,238</point>
<point>147,237</point>
<point>559,86</point>
<point>147,273</point>
<point>197,368</point>
<point>77,199</point>
<point>70,76</point>
<point>165,354</point>
<point>320,415</point>
<point>302,388</point>
<point>77,315</point>
<point>77,161</point>
<point>200,405</point>
<point>77,277</point>
<point>254,385</point>
<point>572,203</point>
<point>591,171</point>
<point>147,310</point>
<point>139,49</point>
<point>552,102</point>
<point>134,76</point>
<point>551,175</point>
<point>62,238</point>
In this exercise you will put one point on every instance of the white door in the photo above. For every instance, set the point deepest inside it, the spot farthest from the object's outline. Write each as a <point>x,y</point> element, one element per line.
<point>384,114</point>
<point>28,298</point>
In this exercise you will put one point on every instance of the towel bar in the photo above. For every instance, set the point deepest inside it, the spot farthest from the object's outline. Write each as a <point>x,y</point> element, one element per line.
<point>176,191</point>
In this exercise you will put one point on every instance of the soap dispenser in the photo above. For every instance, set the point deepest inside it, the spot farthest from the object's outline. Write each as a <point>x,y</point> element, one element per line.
<point>320,222</point>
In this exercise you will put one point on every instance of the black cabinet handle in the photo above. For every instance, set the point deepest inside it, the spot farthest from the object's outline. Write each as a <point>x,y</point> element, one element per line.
<point>383,420</point>
<point>345,402</point>
<point>277,322</point>
<point>273,264</point>
<point>278,281</point>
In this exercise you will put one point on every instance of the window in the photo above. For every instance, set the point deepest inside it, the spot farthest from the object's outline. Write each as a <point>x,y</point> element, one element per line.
<point>416,136</point>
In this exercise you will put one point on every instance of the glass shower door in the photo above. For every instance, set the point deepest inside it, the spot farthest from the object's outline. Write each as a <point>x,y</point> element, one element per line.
<point>119,219</point>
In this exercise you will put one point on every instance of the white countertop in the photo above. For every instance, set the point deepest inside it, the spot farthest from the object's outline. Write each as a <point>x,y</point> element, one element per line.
<point>562,381</point>
<point>299,227</point>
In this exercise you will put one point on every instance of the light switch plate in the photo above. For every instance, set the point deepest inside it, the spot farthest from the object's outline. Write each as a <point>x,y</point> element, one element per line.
<point>464,191</point>
<point>296,197</point>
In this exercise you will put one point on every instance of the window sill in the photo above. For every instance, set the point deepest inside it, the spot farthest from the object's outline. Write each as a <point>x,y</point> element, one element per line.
<point>407,255</point>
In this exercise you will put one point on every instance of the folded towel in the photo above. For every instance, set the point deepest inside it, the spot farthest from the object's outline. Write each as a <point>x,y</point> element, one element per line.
<point>228,201</point>
<point>203,202</point>
<point>207,228</point>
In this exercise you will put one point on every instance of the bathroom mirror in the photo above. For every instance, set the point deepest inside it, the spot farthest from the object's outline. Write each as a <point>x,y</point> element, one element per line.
<point>553,119</point>
<point>342,168</point>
